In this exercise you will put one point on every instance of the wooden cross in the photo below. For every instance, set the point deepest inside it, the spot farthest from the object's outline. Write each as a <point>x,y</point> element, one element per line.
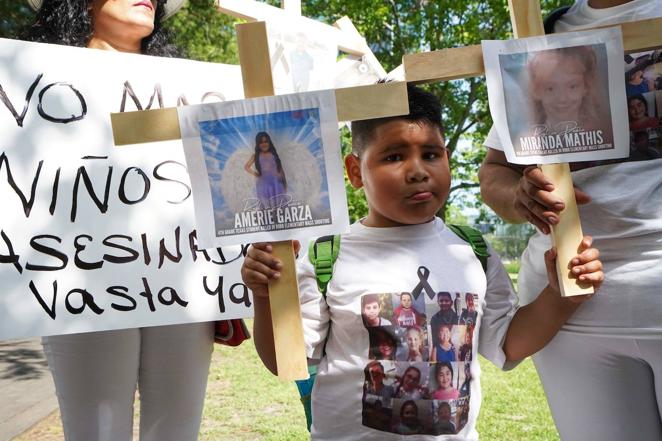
<point>354,103</point>
<point>343,30</point>
<point>463,62</point>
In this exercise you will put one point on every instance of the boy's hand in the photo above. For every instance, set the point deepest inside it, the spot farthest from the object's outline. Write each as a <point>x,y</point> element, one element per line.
<point>535,202</point>
<point>586,267</point>
<point>260,266</point>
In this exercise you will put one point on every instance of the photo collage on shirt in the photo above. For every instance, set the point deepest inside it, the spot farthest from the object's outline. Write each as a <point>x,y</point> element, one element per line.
<point>418,372</point>
<point>643,87</point>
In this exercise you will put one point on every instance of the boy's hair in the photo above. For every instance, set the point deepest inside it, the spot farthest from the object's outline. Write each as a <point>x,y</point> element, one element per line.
<point>424,108</point>
<point>370,298</point>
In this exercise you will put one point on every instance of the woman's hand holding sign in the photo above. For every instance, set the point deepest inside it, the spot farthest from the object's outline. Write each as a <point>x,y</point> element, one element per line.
<point>535,201</point>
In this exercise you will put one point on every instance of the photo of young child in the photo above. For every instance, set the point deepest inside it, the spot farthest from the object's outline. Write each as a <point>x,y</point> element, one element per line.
<point>375,308</point>
<point>643,72</point>
<point>266,166</point>
<point>408,311</point>
<point>412,381</point>
<point>412,416</point>
<point>444,375</point>
<point>383,343</point>
<point>443,418</point>
<point>415,345</point>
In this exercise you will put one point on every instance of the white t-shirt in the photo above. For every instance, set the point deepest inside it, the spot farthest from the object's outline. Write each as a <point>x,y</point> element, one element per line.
<point>624,217</point>
<point>374,266</point>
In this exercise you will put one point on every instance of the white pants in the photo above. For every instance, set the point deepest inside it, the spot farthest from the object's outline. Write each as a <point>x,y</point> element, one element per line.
<point>603,388</point>
<point>96,375</point>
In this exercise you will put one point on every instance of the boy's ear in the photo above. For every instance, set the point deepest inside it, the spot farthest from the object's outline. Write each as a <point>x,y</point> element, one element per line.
<point>353,168</point>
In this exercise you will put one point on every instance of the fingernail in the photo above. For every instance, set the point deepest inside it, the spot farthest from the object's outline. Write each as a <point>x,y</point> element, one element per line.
<point>576,271</point>
<point>552,220</point>
<point>558,206</point>
<point>276,275</point>
<point>575,261</point>
<point>549,187</point>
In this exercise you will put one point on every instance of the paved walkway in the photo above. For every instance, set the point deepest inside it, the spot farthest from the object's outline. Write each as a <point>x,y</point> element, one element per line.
<point>27,393</point>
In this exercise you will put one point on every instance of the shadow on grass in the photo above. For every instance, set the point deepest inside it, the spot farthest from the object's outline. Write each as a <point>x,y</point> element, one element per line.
<point>21,361</point>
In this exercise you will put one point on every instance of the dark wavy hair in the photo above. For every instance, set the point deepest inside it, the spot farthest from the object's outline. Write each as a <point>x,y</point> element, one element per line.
<point>272,150</point>
<point>69,23</point>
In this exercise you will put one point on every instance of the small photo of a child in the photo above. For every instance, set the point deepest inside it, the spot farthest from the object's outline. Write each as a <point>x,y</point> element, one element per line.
<point>445,380</point>
<point>443,418</point>
<point>375,308</point>
<point>414,346</point>
<point>383,343</point>
<point>412,417</point>
<point>408,311</point>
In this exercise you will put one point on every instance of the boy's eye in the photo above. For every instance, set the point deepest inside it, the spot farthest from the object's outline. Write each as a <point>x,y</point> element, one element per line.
<point>393,157</point>
<point>430,155</point>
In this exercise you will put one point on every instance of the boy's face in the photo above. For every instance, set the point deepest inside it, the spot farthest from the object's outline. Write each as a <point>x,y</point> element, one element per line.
<point>405,301</point>
<point>404,172</point>
<point>371,310</point>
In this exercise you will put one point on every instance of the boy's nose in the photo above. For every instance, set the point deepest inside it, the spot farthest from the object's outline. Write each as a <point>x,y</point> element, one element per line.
<point>416,171</point>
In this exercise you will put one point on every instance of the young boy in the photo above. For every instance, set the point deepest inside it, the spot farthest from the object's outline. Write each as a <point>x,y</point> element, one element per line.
<point>402,165</point>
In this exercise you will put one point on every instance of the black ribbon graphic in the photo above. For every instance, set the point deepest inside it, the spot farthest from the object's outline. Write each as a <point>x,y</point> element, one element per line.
<point>423,285</point>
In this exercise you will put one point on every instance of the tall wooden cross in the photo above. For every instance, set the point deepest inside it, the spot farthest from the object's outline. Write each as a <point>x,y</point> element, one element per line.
<point>464,62</point>
<point>353,103</point>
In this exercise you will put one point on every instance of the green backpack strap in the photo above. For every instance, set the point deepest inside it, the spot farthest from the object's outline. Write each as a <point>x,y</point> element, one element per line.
<point>474,238</point>
<point>323,254</point>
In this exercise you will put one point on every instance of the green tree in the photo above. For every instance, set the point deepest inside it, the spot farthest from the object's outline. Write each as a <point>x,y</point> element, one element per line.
<point>14,16</point>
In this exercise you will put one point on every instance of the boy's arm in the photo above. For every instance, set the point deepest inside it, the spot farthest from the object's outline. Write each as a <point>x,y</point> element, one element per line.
<point>534,325</point>
<point>258,268</point>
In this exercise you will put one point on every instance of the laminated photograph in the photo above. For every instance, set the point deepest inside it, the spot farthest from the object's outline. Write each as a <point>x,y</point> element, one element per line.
<point>643,85</point>
<point>302,58</point>
<point>265,169</point>
<point>559,98</point>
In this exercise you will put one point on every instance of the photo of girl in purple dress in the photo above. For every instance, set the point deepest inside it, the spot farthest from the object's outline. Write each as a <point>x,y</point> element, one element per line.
<point>271,185</point>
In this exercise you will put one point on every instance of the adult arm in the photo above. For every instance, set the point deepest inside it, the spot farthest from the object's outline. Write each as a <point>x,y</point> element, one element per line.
<point>518,194</point>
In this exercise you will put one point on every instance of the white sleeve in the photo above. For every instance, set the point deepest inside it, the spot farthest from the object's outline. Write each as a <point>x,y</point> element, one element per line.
<point>501,304</point>
<point>493,141</point>
<point>314,310</point>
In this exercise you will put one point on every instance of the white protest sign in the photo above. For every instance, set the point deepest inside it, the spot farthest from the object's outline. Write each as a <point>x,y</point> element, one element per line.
<point>265,169</point>
<point>94,237</point>
<point>559,98</point>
